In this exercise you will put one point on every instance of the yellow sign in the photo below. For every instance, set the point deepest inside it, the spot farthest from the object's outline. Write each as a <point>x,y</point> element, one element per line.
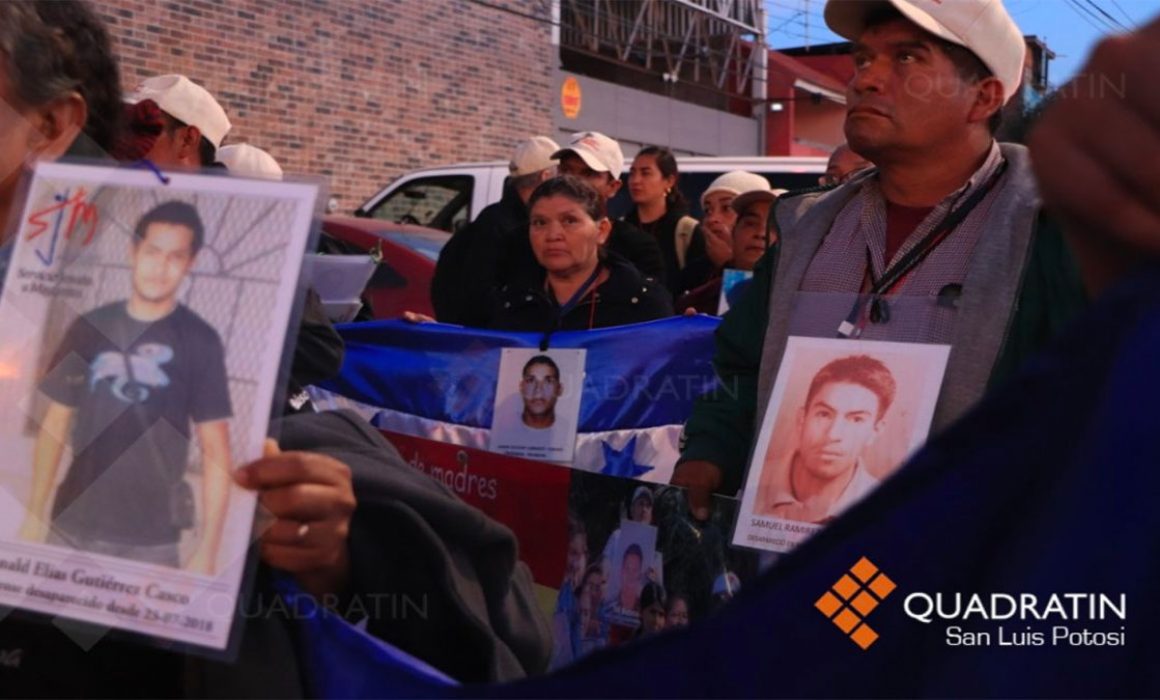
<point>852,598</point>
<point>570,98</point>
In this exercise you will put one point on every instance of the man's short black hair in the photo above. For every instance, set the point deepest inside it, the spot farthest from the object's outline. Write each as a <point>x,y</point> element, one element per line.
<point>542,360</point>
<point>173,212</point>
<point>863,370</point>
<point>970,67</point>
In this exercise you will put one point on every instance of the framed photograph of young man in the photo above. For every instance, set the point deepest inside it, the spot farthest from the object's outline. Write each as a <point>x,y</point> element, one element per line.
<point>142,326</point>
<point>537,404</point>
<point>843,415</point>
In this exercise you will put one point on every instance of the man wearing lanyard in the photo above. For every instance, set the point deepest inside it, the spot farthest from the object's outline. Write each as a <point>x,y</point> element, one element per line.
<point>942,242</point>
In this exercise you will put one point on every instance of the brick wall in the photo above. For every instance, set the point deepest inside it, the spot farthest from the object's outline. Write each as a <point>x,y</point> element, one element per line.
<point>356,91</point>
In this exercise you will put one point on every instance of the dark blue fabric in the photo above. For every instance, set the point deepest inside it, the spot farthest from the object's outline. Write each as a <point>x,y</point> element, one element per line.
<point>1049,487</point>
<point>338,655</point>
<point>638,376</point>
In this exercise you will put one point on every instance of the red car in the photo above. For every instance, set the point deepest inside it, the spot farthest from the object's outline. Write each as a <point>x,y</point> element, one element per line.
<point>403,279</point>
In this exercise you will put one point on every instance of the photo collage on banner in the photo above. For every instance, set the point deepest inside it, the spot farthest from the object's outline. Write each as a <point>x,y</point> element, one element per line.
<point>142,326</point>
<point>842,417</point>
<point>636,563</point>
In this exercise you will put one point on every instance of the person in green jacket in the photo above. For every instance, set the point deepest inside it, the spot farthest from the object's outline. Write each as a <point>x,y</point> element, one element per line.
<point>942,242</point>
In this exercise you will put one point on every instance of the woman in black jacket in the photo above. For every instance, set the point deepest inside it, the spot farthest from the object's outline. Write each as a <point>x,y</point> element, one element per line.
<point>579,286</point>
<point>661,211</point>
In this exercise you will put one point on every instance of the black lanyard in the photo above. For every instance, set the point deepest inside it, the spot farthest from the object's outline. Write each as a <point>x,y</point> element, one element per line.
<point>572,303</point>
<point>879,309</point>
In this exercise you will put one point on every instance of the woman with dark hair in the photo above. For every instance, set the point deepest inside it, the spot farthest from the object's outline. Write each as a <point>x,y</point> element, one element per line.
<point>578,285</point>
<point>691,257</point>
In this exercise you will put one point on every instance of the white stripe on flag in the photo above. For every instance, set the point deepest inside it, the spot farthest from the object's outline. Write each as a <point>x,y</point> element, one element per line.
<point>654,447</point>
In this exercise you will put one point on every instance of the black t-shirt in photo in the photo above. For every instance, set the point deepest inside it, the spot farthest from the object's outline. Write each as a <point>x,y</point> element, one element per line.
<point>135,387</point>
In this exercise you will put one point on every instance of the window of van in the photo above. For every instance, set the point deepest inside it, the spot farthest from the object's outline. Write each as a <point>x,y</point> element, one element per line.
<point>439,202</point>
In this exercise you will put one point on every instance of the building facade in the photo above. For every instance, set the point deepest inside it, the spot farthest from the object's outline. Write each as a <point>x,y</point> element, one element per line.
<point>355,91</point>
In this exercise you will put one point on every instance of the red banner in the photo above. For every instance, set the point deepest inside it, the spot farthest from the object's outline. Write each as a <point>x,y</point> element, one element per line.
<point>529,497</point>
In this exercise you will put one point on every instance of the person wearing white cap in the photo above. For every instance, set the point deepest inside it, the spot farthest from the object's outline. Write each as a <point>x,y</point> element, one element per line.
<point>752,233</point>
<point>717,203</point>
<point>933,245</point>
<point>195,125</point>
<point>493,247</point>
<point>749,238</point>
<point>596,158</point>
<point>247,160</point>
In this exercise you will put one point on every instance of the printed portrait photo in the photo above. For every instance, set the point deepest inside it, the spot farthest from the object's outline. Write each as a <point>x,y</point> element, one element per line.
<point>144,326</point>
<point>843,416</point>
<point>537,404</point>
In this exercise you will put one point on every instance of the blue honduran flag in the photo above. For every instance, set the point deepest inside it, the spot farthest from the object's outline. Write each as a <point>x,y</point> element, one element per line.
<point>438,382</point>
<point>1046,492</point>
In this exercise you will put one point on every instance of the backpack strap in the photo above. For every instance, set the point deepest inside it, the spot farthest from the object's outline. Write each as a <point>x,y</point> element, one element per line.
<point>683,237</point>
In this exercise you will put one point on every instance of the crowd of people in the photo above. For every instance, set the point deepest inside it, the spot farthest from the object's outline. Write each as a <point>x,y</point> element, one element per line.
<point>970,242</point>
<point>655,261</point>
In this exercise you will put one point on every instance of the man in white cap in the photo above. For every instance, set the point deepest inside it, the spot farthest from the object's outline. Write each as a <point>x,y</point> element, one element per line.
<point>195,124</point>
<point>748,198</point>
<point>942,243</point>
<point>717,203</point>
<point>246,160</point>
<point>594,157</point>
<point>479,256</point>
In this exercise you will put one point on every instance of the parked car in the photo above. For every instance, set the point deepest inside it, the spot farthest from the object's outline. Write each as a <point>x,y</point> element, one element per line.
<point>402,281</point>
<point>448,197</point>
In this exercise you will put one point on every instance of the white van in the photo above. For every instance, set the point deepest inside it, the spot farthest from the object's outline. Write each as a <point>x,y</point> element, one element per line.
<point>448,197</point>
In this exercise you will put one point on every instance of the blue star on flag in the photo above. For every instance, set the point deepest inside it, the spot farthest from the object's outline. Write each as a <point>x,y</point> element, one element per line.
<point>622,463</point>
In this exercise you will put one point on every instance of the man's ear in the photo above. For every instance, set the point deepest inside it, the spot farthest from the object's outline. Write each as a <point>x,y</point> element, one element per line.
<point>57,124</point>
<point>988,100</point>
<point>559,389</point>
<point>189,149</point>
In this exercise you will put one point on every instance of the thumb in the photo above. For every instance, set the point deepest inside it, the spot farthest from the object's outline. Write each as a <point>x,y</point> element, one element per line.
<point>270,448</point>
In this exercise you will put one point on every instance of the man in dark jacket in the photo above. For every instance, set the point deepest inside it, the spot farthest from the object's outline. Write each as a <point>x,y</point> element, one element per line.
<point>485,254</point>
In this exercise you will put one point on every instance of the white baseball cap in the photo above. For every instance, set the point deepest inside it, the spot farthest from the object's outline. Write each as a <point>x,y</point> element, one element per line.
<point>185,100</point>
<point>533,156</point>
<point>598,152</point>
<point>763,194</point>
<point>981,26</point>
<point>249,161</point>
<point>735,183</point>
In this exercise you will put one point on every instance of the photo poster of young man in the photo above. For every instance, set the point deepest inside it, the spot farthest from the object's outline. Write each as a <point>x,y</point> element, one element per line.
<point>843,416</point>
<point>142,329</point>
<point>537,404</point>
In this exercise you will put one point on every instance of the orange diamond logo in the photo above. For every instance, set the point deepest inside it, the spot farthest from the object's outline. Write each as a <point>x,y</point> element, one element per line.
<point>864,588</point>
<point>828,604</point>
<point>846,587</point>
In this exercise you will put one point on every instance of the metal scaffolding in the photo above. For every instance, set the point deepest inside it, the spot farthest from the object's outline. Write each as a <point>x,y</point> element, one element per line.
<point>714,44</point>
